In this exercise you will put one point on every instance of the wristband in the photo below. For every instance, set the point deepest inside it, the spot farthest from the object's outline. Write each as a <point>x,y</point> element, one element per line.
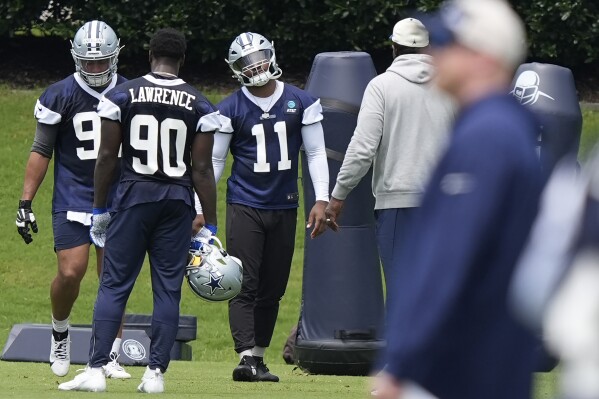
<point>212,228</point>
<point>25,204</point>
<point>97,211</point>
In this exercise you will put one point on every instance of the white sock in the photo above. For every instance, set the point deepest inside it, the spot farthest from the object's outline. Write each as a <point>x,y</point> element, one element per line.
<point>247,352</point>
<point>116,346</point>
<point>60,325</point>
<point>258,351</point>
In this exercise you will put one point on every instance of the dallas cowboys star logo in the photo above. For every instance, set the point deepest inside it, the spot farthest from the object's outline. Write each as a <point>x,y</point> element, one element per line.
<point>214,283</point>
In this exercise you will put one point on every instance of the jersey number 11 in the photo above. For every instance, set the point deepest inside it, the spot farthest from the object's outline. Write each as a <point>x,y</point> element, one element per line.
<point>261,166</point>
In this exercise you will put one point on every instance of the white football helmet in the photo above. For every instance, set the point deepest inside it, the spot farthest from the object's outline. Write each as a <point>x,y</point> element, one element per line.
<point>95,41</point>
<point>252,59</point>
<point>213,274</point>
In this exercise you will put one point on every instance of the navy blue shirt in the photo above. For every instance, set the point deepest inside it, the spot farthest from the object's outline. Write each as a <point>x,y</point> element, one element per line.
<point>449,327</point>
<point>265,147</point>
<point>71,105</point>
<point>160,118</point>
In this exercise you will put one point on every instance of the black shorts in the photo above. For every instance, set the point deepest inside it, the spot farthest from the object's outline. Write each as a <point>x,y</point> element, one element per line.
<point>68,234</point>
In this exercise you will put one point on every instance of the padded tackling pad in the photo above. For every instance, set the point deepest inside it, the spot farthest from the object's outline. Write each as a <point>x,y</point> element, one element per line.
<point>550,93</point>
<point>341,320</point>
<point>31,342</point>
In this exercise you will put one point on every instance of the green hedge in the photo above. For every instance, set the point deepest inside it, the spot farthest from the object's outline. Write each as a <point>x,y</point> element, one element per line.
<point>563,32</point>
<point>566,32</point>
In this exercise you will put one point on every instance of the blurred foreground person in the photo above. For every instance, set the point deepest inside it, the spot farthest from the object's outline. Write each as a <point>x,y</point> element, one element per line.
<point>450,331</point>
<point>555,290</point>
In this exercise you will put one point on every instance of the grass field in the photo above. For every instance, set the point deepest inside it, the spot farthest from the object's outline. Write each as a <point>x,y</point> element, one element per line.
<point>26,272</point>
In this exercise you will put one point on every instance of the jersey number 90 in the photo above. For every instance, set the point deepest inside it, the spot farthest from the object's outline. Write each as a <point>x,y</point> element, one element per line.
<point>159,136</point>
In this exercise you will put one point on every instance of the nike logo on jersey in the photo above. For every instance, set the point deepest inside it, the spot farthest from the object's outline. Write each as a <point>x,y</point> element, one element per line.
<point>162,95</point>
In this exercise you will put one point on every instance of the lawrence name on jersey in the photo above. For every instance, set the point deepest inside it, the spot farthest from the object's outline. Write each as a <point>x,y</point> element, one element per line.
<point>157,145</point>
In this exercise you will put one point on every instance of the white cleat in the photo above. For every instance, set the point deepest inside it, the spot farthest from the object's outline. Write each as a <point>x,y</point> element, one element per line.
<point>91,380</point>
<point>60,356</point>
<point>114,370</point>
<point>152,381</point>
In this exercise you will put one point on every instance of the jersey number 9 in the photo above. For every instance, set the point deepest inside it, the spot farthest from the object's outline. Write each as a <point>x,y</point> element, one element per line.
<point>87,127</point>
<point>91,120</point>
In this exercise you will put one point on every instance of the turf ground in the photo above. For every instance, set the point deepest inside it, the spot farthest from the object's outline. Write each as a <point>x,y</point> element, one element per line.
<point>26,272</point>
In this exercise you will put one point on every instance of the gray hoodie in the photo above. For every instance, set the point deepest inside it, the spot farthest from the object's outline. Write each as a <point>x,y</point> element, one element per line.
<point>402,127</point>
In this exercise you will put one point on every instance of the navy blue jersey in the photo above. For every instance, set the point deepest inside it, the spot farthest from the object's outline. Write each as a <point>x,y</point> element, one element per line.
<point>71,104</point>
<point>265,146</point>
<point>160,118</point>
<point>448,312</point>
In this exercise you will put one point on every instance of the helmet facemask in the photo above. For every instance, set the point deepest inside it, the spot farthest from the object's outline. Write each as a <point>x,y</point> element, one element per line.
<point>96,79</point>
<point>95,41</point>
<point>254,68</point>
<point>252,60</point>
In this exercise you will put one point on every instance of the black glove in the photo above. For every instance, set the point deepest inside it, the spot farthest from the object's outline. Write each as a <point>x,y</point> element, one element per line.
<point>26,218</point>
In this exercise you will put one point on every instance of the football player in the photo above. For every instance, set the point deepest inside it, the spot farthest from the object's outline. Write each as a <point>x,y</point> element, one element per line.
<point>166,130</point>
<point>68,126</point>
<point>265,124</point>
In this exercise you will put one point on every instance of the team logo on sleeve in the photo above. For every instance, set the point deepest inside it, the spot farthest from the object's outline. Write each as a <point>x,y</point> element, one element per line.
<point>291,107</point>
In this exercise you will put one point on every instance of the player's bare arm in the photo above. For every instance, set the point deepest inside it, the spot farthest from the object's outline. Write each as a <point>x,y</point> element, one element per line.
<point>107,161</point>
<point>202,174</point>
<point>36,169</point>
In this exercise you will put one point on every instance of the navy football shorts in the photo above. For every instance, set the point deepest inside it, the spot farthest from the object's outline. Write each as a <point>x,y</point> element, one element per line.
<point>68,234</point>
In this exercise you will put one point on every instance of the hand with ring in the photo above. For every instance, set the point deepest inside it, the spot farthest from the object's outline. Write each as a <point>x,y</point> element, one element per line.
<point>317,219</point>
<point>332,212</point>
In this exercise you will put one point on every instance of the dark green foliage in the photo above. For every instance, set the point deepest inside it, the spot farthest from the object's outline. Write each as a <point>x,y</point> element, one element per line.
<point>18,13</point>
<point>564,32</point>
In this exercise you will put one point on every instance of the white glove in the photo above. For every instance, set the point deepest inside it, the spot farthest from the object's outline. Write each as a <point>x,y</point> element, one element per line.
<point>206,232</point>
<point>100,221</point>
